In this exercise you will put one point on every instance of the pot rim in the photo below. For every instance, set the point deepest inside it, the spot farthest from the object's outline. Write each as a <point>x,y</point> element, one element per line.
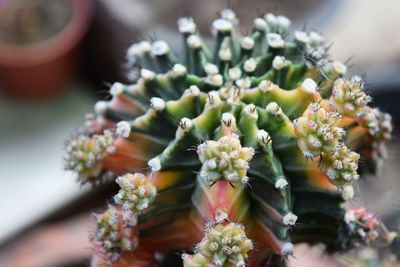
<point>54,47</point>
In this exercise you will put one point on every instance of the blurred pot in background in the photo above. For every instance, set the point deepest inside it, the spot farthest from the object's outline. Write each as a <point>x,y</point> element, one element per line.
<point>38,44</point>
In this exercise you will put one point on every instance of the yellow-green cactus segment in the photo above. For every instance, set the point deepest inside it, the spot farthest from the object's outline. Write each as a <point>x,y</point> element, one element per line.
<point>224,159</point>
<point>85,154</point>
<point>293,102</point>
<point>115,232</point>
<point>224,245</point>
<point>348,97</point>
<point>136,192</point>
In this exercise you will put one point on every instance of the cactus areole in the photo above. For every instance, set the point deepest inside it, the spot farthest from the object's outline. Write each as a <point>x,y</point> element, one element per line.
<point>233,152</point>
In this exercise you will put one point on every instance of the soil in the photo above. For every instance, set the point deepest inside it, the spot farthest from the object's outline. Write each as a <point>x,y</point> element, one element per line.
<point>25,22</point>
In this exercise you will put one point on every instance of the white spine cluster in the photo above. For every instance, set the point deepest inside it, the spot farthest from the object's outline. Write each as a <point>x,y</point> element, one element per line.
<point>309,86</point>
<point>234,73</point>
<point>154,164</point>
<point>147,75</point>
<point>250,65</point>
<point>289,219</point>
<point>158,104</point>
<point>247,43</point>
<point>274,108</point>
<point>187,25</point>
<point>279,62</point>
<point>123,129</point>
<point>281,183</point>
<point>287,249</point>
<point>160,48</point>
<point>178,70</point>
<point>117,89</point>
<point>222,25</point>
<point>275,40</point>
<point>194,41</point>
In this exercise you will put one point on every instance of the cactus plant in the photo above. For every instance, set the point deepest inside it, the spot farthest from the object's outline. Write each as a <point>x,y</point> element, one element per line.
<point>231,153</point>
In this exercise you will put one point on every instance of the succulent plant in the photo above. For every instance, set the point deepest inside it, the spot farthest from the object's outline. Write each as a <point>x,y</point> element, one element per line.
<point>231,152</point>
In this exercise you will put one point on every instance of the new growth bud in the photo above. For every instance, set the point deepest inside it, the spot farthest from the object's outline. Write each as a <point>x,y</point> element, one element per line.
<point>225,244</point>
<point>224,159</point>
<point>85,154</point>
<point>136,193</point>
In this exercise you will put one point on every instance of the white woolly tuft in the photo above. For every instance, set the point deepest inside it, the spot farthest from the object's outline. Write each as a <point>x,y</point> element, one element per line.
<point>116,89</point>
<point>194,41</point>
<point>279,62</point>
<point>194,90</point>
<point>139,48</point>
<point>275,40</point>
<point>213,98</point>
<point>227,118</point>
<point>222,25</point>
<point>157,103</point>
<point>186,124</point>
<point>160,48</point>
<point>263,138</point>
<point>273,108</point>
<point>309,86</point>
<point>244,83</point>
<point>250,65</point>
<point>215,80</point>
<point>134,50</point>
<point>123,129</point>
<point>251,111</point>
<point>211,69</point>
<point>228,14</point>
<point>225,54</point>
<point>302,37</point>
<point>179,70</point>
<point>287,249</point>
<point>271,19</point>
<point>260,24</point>
<point>154,164</point>
<point>247,43</point>
<point>235,73</point>
<point>100,107</point>
<point>147,74</point>
<point>281,183</point>
<point>266,86</point>
<point>186,25</point>
<point>289,219</point>
<point>283,22</point>
<point>220,216</point>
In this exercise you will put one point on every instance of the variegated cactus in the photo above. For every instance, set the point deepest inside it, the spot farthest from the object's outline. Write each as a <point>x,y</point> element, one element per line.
<point>230,153</point>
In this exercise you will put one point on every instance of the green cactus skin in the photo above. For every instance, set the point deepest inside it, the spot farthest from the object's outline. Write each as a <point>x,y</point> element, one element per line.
<point>252,145</point>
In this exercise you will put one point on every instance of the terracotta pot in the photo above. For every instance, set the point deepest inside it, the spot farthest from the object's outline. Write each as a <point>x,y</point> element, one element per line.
<point>41,69</point>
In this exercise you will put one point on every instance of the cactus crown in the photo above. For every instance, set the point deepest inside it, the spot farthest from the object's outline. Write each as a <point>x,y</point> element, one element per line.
<point>257,135</point>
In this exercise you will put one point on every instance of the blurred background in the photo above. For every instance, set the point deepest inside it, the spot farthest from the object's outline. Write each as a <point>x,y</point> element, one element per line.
<point>57,58</point>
